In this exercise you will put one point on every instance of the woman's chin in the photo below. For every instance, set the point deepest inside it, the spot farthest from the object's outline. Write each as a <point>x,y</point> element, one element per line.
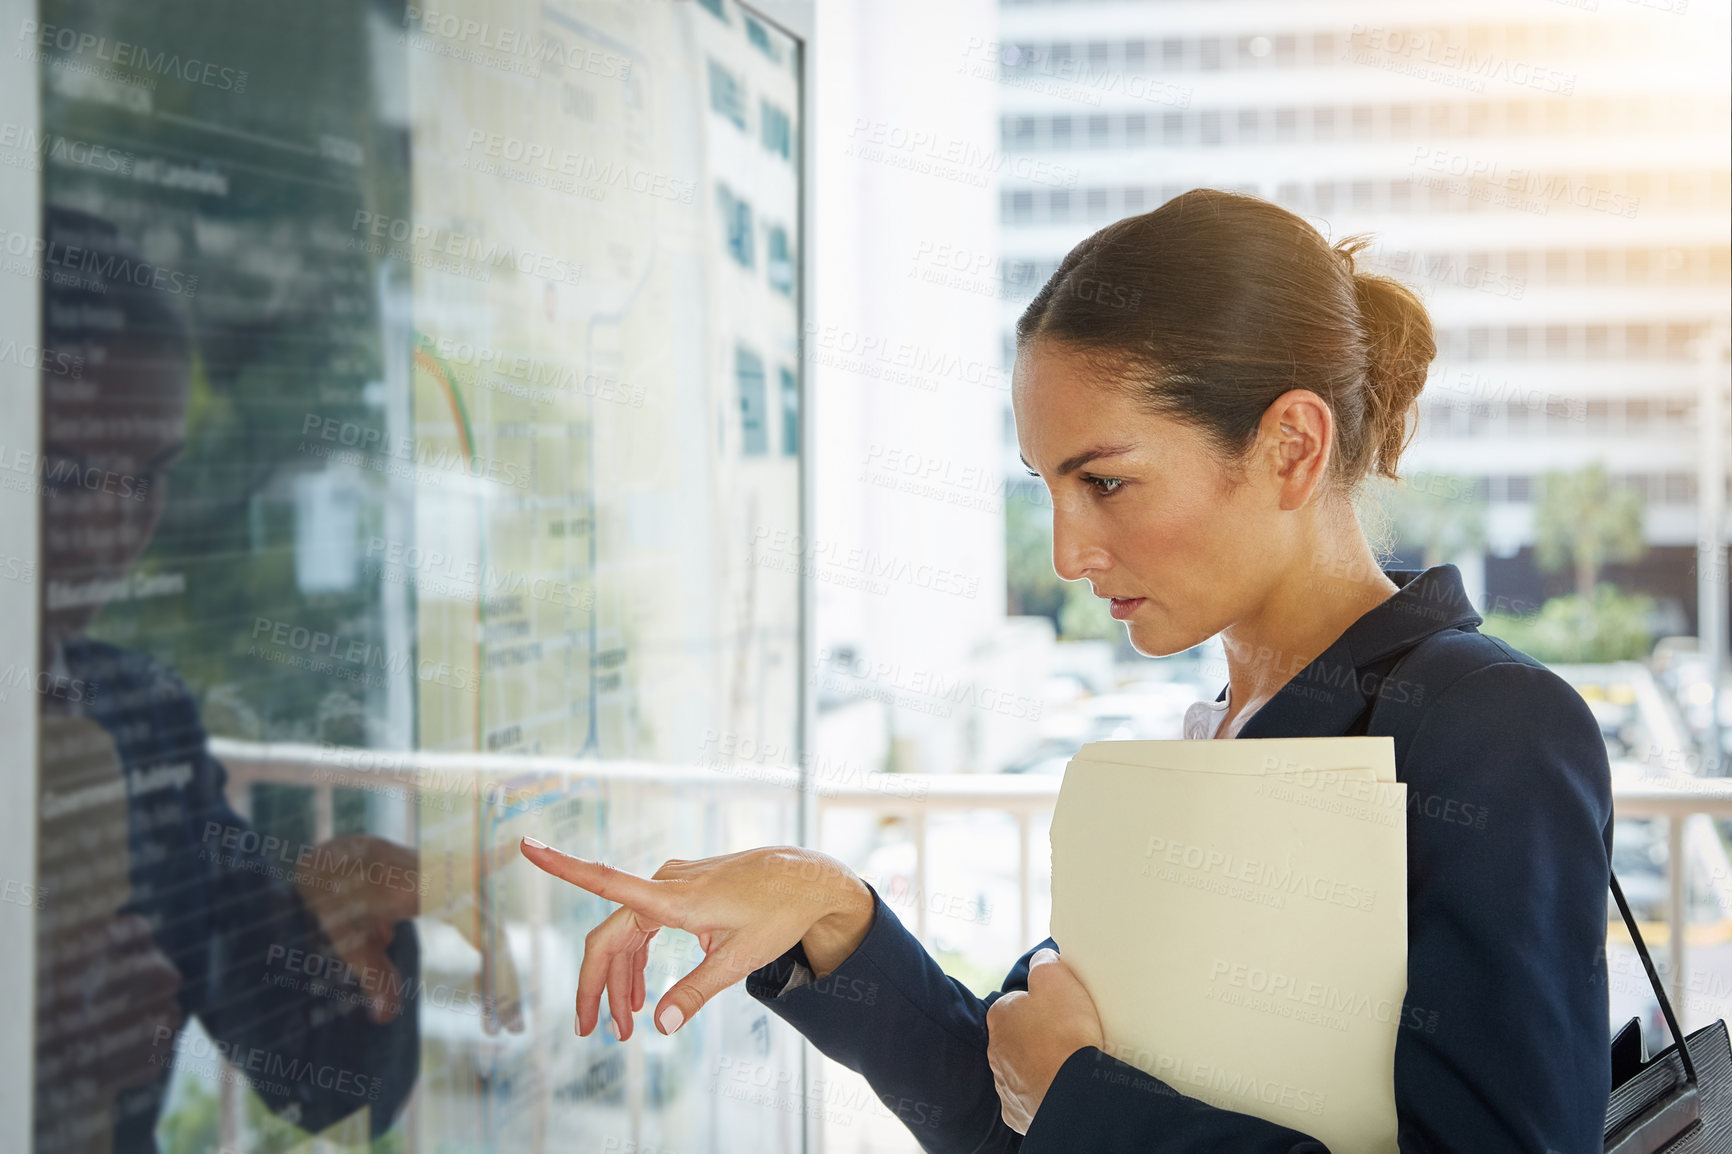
<point>1153,641</point>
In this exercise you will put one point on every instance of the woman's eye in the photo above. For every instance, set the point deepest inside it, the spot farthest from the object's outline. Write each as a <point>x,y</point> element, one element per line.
<point>1106,486</point>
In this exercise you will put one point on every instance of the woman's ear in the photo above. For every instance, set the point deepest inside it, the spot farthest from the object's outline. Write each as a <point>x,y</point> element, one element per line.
<point>1302,445</point>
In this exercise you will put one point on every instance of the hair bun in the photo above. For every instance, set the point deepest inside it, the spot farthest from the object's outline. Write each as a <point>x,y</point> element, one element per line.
<point>1399,349</point>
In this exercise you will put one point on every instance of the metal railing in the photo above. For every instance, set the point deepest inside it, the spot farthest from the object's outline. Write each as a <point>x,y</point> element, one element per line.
<point>1677,798</point>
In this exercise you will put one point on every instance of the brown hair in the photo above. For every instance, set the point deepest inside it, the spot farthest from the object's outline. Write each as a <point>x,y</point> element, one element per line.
<point>1214,304</point>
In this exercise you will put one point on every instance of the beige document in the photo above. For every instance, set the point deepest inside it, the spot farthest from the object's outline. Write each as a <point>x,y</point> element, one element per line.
<point>1238,911</point>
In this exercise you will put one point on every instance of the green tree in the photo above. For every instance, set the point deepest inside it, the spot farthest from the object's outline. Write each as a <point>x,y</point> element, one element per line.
<point>1032,589</point>
<point>1610,626</point>
<point>1085,617</point>
<point>1583,522</point>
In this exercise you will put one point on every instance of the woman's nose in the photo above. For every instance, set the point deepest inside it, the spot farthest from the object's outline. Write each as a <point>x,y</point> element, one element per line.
<point>1073,554</point>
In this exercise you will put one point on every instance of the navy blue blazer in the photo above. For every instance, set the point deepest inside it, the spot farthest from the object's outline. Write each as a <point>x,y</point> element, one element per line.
<point>1504,1039</point>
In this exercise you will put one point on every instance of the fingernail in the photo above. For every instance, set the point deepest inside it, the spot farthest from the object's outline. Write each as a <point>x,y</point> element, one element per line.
<point>671,1019</point>
<point>532,843</point>
<point>577,1024</point>
<point>613,1028</point>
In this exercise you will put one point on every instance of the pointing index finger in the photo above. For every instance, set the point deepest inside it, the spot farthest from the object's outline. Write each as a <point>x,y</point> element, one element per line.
<point>641,894</point>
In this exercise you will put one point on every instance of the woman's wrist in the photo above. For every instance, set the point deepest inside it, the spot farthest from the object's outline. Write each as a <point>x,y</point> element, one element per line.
<point>836,935</point>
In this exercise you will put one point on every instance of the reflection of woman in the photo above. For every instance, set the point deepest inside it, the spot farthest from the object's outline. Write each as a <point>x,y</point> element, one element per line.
<point>160,906</point>
<point>1202,388</point>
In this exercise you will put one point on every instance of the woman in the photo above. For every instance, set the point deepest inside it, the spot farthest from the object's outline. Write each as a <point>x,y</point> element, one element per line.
<point>1201,388</point>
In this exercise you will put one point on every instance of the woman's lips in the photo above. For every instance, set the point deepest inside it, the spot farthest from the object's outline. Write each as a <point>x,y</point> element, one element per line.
<point>1123,607</point>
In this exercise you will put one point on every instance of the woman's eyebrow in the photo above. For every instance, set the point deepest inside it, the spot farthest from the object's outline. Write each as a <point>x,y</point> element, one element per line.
<point>1072,464</point>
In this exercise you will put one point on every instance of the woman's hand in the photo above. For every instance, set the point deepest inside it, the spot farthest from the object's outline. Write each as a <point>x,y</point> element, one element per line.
<point>1029,1035</point>
<point>746,909</point>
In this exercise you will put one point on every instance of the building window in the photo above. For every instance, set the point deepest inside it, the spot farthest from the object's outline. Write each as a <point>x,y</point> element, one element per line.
<point>736,225</point>
<point>1060,130</point>
<point>776,129</point>
<point>1678,488</point>
<point>790,413</point>
<point>1099,131</point>
<point>760,39</point>
<point>778,263</point>
<point>1096,199</point>
<point>1021,207</point>
<point>727,94</point>
<point>1136,129</point>
<point>1022,132</point>
<point>754,431</point>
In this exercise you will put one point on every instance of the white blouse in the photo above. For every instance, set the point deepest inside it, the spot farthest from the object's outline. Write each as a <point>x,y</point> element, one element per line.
<point>1203,718</point>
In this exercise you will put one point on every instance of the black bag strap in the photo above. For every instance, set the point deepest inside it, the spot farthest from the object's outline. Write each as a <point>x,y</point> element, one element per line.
<point>1653,977</point>
<point>1663,1120</point>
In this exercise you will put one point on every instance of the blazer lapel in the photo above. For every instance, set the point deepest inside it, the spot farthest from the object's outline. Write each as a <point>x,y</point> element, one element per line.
<point>1326,697</point>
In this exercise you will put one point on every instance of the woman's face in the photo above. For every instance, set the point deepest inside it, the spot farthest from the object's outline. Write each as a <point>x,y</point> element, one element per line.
<point>1142,509</point>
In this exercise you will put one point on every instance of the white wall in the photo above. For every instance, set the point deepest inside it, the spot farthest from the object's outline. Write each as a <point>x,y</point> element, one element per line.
<point>906,372</point>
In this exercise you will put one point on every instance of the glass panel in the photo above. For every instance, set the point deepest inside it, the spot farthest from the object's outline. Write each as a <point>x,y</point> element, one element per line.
<point>423,489</point>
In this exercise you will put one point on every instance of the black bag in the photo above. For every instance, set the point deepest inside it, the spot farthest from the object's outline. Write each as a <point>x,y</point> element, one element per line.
<point>1679,1101</point>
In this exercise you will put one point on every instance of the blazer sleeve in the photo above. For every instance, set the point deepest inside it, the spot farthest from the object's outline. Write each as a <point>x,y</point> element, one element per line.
<point>888,1012</point>
<point>1506,1036</point>
<point>1504,1039</point>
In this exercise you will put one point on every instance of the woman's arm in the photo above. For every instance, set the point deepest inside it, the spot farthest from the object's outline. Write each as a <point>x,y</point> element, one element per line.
<point>877,1002</point>
<point>1504,1036</point>
<point>918,1036</point>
